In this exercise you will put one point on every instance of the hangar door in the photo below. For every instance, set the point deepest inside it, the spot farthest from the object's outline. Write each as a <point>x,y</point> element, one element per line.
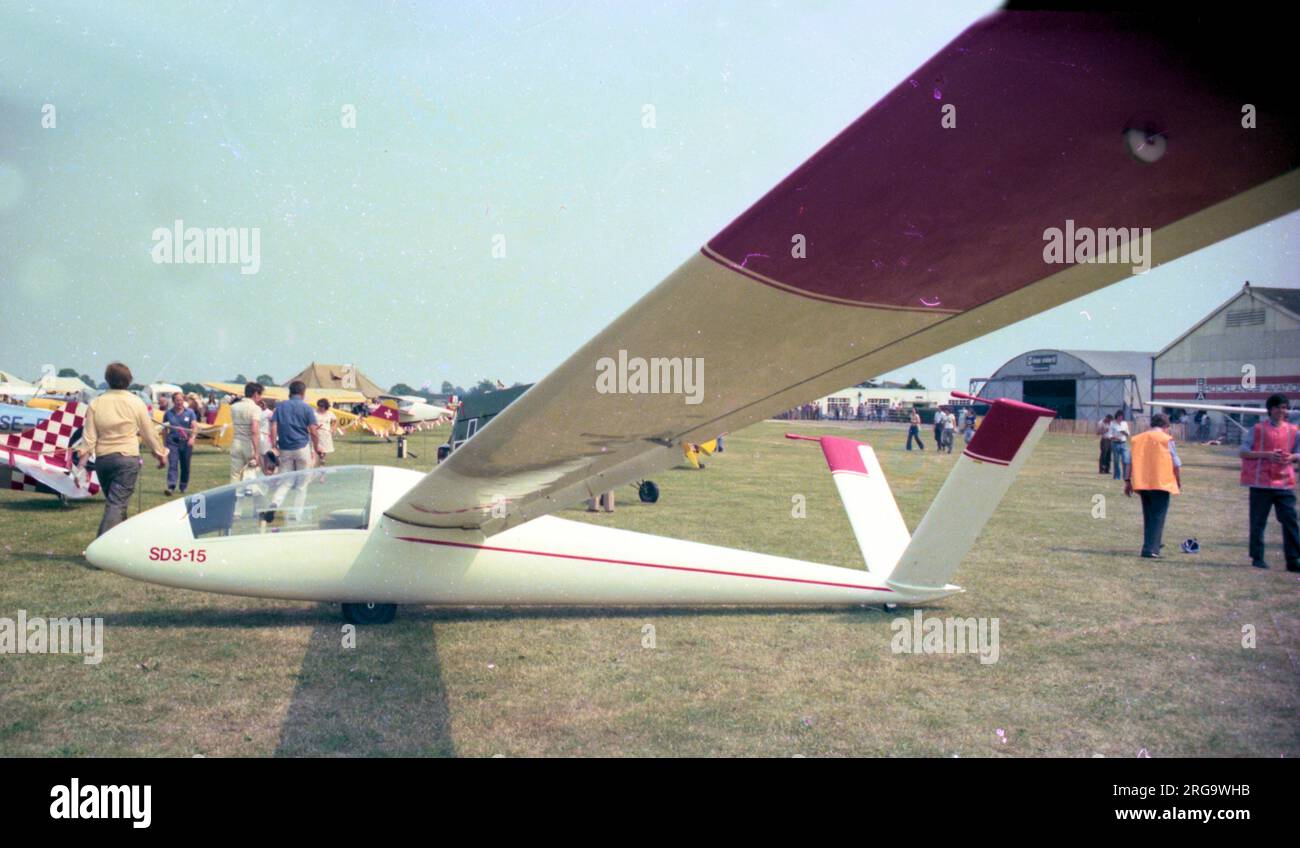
<point>1053,394</point>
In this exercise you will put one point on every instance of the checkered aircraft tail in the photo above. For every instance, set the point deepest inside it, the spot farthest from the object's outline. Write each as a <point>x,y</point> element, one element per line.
<point>40,459</point>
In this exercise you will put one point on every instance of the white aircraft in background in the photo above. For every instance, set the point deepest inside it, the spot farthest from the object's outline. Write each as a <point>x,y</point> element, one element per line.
<point>1293,416</point>
<point>900,238</point>
<point>413,409</point>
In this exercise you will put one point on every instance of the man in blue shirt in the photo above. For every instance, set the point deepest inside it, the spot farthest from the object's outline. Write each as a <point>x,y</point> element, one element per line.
<point>179,421</point>
<point>294,438</point>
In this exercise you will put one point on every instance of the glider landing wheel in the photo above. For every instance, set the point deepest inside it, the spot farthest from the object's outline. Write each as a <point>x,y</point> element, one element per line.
<point>369,613</point>
<point>889,607</point>
<point>648,492</point>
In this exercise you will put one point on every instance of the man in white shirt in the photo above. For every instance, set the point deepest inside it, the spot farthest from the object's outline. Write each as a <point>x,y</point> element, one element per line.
<point>245,417</point>
<point>1119,448</point>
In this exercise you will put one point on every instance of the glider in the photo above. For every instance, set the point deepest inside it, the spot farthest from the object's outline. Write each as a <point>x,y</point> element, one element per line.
<point>900,238</point>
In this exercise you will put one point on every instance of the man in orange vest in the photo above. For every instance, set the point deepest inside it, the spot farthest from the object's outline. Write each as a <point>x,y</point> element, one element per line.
<point>1154,473</point>
<point>1268,453</point>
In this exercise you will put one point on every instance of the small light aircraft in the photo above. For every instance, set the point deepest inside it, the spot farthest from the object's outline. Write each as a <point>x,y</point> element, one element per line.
<point>413,410</point>
<point>902,237</point>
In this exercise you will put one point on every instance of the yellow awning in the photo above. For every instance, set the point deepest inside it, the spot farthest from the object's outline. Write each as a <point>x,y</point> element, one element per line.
<point>278,393</point>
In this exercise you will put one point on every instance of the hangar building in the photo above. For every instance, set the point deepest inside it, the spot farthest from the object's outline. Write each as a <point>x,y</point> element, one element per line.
<point>1238,355</point>
<point>1079,384</point>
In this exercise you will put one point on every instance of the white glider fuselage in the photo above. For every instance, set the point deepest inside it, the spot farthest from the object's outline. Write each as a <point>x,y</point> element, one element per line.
<point>549,560</point>
<point>324,535</point>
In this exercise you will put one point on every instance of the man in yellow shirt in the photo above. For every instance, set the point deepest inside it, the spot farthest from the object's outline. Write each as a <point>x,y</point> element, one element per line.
<point>1154,472</point>
<point>115,423</point>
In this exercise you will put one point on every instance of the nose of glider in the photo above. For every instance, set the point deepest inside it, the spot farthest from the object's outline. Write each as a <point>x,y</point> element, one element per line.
<point>126,549</point>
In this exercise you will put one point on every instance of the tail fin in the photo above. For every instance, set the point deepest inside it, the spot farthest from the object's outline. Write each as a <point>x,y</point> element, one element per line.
<point>983,473</point>
<point>53,435</point>
<point>873,513</point>
<point>39,459</point>
<point>919,566</point>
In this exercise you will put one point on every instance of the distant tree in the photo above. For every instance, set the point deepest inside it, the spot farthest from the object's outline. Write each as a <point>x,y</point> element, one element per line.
<point>68,372</point>
<point>913,384</point>
<point>239,378</point>
<point>448,388</point>
<point>402,389</point>
<point>265,379</point>
<point>87,379</point>
<point>483,387</point>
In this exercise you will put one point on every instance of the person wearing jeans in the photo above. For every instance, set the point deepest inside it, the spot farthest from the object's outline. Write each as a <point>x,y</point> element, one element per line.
<point>294,431</point>
<point>180,422</point>
<point>1155,474</point>
<point>1119,447</point>
<point>914,430</point>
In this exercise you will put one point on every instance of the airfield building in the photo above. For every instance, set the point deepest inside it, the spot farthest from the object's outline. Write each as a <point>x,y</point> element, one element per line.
<point>1238,355</point>
<point>1082,385</point>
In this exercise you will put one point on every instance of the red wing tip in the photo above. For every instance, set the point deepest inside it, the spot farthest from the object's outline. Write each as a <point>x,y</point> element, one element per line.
<point>800,438</point>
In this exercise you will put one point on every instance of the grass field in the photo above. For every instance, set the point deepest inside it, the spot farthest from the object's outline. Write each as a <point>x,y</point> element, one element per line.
<point>1101,653</point>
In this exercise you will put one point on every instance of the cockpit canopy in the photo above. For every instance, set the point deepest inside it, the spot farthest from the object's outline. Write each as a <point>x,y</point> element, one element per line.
<point>316,499</point>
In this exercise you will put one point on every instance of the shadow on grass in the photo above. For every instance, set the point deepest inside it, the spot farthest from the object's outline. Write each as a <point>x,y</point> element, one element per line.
<point>383,697</point>
<point>1174,556</point>
<point>328,616</point>
<point>41,557</point>
<point>45,504</point>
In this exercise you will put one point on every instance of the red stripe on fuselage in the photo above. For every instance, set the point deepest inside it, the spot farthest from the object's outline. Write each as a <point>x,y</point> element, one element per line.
<point>641,564</point>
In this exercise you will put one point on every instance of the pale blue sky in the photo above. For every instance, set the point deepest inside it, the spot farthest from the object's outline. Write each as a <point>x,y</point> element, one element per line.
<point>473,119</point>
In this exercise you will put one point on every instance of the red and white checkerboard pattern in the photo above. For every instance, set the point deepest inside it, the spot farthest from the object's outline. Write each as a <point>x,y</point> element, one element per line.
<point>52,435</point>
<point>40,458</point>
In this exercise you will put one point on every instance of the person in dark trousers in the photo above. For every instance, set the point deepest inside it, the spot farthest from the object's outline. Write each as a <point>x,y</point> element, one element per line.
<point>115,423</point>
<point>178,423</point>
<point>914,430</point>
<point>1119,434</point>
<point>1269,451</point>
<point>1103,458</point>
<point>1154,472</point>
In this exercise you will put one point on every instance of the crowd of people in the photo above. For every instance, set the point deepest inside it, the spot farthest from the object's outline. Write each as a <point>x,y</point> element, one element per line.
<point>842,412</point>
<point>1150,467</point>
<point>268,438</point>
<point>271,438</point>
